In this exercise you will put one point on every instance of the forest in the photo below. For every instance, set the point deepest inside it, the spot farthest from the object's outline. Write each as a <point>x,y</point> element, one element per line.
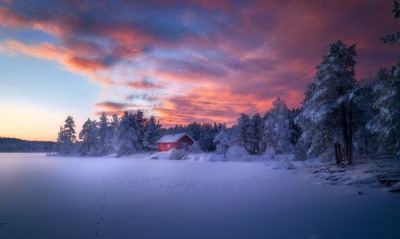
<point>341,118</point>
<point>12,145</point>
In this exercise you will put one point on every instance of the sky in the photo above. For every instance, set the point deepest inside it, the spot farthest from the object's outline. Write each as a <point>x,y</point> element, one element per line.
<point>183,61</point>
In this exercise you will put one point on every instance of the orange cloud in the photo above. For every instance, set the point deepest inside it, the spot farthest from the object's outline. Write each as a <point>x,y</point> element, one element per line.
<point>111,107</point>
<point>63,56</point>
<point>210,105</point>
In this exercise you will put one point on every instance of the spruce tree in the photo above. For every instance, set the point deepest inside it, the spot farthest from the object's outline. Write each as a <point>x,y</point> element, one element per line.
<point>206,140</point>
<point>88,135</point>
<point>277,131</point>
<point>140,122</point>
<point>222,141</point>
<point>109,139</point>
<point>126,136</point>
<point>103,129</point>
<point>152,133</point>
<point>66,137</point>
<point>254,135</point>
<point>295,130</point>
<point>327,118</point>
<point>386,121</point>
<point>386,90</point>
<point>241,131</point>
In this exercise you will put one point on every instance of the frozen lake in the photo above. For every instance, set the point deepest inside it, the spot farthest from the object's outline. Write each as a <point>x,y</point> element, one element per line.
<point>72,197</point>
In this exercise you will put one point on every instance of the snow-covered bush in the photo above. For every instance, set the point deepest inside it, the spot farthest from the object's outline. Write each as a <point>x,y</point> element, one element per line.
<point>195,148</point>
<point>288,164</point>
<point>236,152</point>
<point>175,154</point>
<point>269,153</point>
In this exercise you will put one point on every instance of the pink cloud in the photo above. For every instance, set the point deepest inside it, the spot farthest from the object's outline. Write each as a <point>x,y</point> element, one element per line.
<point>202,105</point>
<point>64,56</point>
<point>143,84</point>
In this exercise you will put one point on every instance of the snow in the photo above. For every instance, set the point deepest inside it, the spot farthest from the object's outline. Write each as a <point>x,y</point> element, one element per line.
<point>201,197</point>
<point>172,138</point>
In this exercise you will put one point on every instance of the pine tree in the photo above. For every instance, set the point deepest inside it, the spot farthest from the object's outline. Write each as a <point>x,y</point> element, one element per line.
<point>223,141</point>
<point>295,130</point>
<point>241,130</point>
<point>386,121</point>
<point>386,90</point>
<point>194,130</point>
<point>66,137</point>
<point>365,142</point>
<point>69,128</point>
<point>393,39</point>
<point>109,139</point>
<point>277,131</point>
<point>327,117</point>
<point>140,124</point>
<point>152,133</point>
<point>254,135</point>
<point>88,135</point>
<point>102,134</point>
<point>248,133</point>
<point>126,136</point>
<point>206,140</point>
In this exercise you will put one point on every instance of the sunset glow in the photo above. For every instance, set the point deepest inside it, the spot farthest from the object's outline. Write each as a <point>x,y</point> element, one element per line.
<point>182,61</point>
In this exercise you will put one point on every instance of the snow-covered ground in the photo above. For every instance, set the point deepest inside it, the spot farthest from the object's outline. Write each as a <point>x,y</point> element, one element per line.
<point>201,197</point>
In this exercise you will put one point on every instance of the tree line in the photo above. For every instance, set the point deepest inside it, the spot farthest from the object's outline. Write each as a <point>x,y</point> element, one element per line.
<point>12,145</point>
<point>125,135</point>
<point>340,116</point>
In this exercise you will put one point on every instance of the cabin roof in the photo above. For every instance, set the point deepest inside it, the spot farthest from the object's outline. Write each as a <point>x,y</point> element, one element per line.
<point>172,138</point>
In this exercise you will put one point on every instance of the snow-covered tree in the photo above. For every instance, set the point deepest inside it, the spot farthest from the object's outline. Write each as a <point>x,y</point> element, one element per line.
<point>386,121</point>
<point>223,141</point>
<point>257,139</point>
<point>277,131</point>
<point>295,130</point>
<point>386,90</point>
<point>248,133</point>
<point>109,139</point>
<point>241,129</point>
<point>69,128</point>
<point>88,135</point>
<point>327,117</point>
<point>393,39</point>
<point>66,137</point>
<point>152,133</point>
<point>194,130</point>
<point>126,135</point>
<point>103,129</point>
<point>364,141</point>
<point>206,139</point>
<point>138,117</point>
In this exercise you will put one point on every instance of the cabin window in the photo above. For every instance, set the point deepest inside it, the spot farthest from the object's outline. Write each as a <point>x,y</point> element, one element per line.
<point>185,146</point>
<point>168,146</point>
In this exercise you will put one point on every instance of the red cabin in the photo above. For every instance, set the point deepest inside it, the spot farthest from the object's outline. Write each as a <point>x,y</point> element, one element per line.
<point>176,141</point>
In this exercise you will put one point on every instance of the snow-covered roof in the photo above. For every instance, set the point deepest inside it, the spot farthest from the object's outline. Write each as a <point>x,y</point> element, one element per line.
<point>172,138</point>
